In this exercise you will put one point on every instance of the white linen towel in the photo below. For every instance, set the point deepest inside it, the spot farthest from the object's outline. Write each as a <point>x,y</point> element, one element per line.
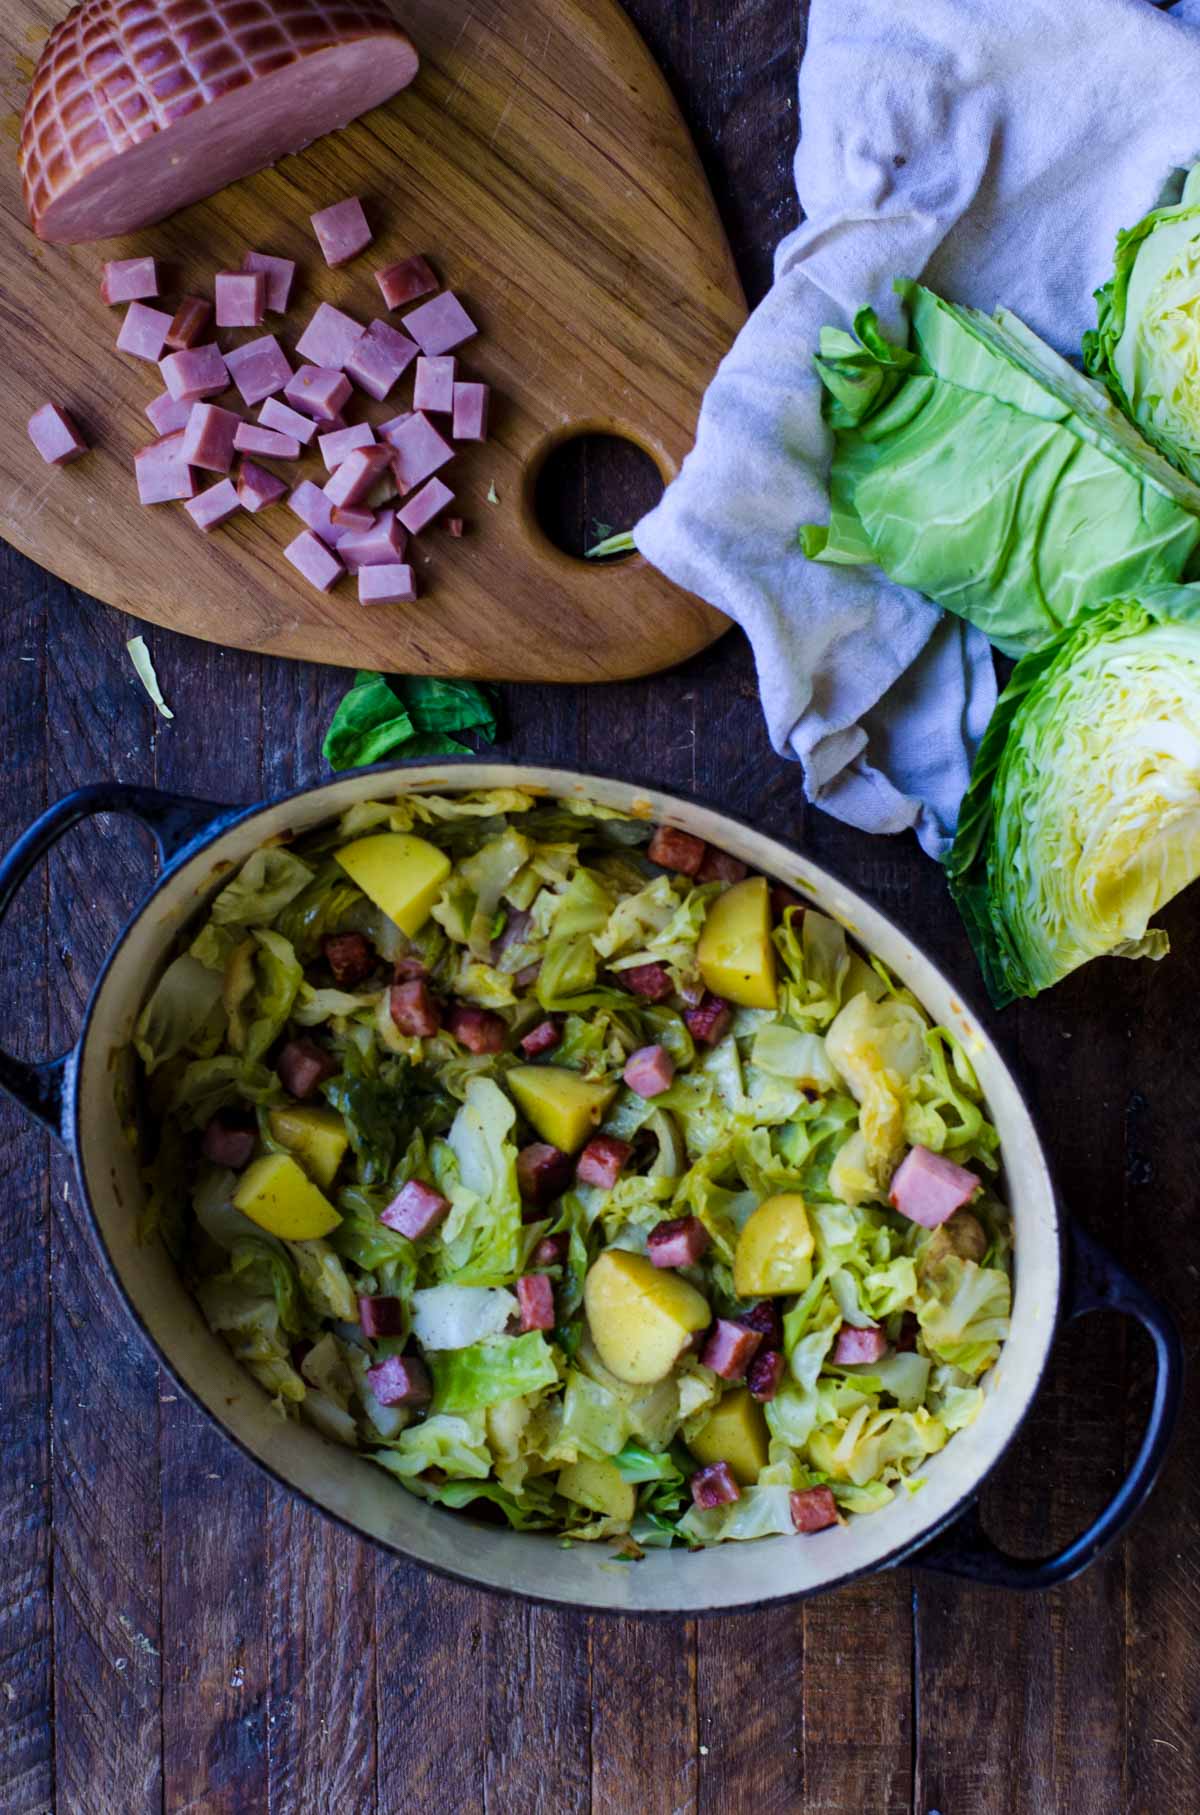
<point>992,148</point>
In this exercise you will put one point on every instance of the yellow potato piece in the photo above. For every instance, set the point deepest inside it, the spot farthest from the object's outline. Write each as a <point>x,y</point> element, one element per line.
<point>736,954</point>
<point>774,1251</point>
<point>562,1106</point>
<point>640,1315</point>
<point>736,1433</point>
<point>401,874</point>
<point>279,1197</point>
<point>599,1487</point>
<point>316,1136</point>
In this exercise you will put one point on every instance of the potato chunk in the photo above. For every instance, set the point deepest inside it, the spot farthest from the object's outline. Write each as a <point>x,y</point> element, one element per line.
<point>736,954</point>
<point>564,1107</point>
<point>279,1197</point>
<point>598,1486</point>
<point>640,1317</point>
<point>774,1251</point>
<point>316,1136</point>
<point>401,874</point>
<point>736,1433</point>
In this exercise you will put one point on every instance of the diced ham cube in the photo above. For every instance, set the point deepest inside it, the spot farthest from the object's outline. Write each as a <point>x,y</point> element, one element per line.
<point>241,298</point>
<point>210,437</point>
<point>382,545</point>
<point>144,331</point>
<point>407,966</point>
<point>330,337</point>
<point>414,1010</point>
<point>278,274</point>
<point>318,564</point>
<point>215,506</point>
<point>419,449</point>
<point>162,474</point>
<point>433,383</point>
<point>342,231</point>
<point>710,1021</point>
<point>478,1029</point>
<point>319,390</point>
<point>542,1038</point>
<point>649,1071</point>
<point>190,321</point>
<point>379,359</point>
<point>404,282</point>
<point>765,1318</point>
<point>400,1380</point>
<point>168,413</point>
<point>416,1210</point>
<point>535,1295</point>
<point>276,415</point>
<point>552,1250</point>
<point>55,436</point>
<point>230,1140</point>
<point>764,1374</point>
<point>350,957</point>
<point>350,522</point>
<point>782,899</point>
<point>714,1485</point>
<point>423,506</point>
<point>340,442</point>
<point>441,325</point>
<point>652,982</point>
<point>681,1242</point>
<point>259,369</point>
<point>257,488</point>
<point>602,1161</point>
<point>128,279</point>
<point>853,1345</point>
<point>302,1065</point>
<point>718,866</point>
<point>195,372</point>
<point>928,1188</point>
<point>309,503</point>
<point>382,1315</point>
<point>813,1508</point>
<point>730,1348</point>
<point>471,403</point>
<point>676,850</point>
<point>543,1172</point>
<point>252,438</point>
<point>356,474</point>
<point>387,583</point>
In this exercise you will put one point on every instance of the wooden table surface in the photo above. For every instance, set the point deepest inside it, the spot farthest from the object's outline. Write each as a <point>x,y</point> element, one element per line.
<point>177,1633</point>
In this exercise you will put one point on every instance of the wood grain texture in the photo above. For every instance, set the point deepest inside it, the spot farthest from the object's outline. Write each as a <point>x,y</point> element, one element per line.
<point>540,161</point>
<point>374,1689</point>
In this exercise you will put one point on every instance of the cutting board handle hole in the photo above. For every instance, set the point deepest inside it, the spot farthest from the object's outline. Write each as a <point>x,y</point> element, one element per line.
<point>588,484</point>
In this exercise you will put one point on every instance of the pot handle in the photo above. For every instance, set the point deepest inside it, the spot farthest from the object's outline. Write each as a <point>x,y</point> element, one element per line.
<point>1095,1282</point>
<point>173,820</point>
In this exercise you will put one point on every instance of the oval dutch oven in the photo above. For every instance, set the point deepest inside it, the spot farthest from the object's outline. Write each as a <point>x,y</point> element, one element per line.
<point>1060,1273</point>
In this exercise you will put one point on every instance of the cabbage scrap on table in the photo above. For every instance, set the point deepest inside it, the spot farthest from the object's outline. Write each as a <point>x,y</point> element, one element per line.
<point>474,1169</point>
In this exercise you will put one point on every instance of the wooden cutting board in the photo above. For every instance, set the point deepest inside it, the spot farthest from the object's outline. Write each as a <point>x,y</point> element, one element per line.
<point>542,165</point>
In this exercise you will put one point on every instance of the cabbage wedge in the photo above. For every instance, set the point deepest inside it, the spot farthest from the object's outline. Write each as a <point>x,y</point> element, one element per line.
<point>1082,819</point>
<point>979,467</point>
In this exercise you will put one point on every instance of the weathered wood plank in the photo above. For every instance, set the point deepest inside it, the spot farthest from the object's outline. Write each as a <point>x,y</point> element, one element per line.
<point>431,1695</point>
<point>539,1717</point>
<point>645,1726</point>
<point>750,1685</point>
<point>857,1742</point>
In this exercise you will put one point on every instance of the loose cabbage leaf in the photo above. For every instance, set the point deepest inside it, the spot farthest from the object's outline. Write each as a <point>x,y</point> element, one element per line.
<point>419,716</point>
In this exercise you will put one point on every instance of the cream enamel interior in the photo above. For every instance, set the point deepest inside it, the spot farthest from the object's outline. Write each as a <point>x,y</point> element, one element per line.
<point>355,1490</point>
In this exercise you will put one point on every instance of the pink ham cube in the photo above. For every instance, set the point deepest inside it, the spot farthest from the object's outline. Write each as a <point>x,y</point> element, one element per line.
<point>210,437</point>
<point>478,1029</point>
<point>241,298</point>
<point>162,474</point>
<point>813,1508</point>
<point>169,413</point>
<point>535,1295</point>
<point>710,1020</point>
<point>319,390</point>
<point>189,322</point>
<point>342,231</point>
<point>433,383</point>
<point>252,438</point>
<point>379,546</point>
<point>144,331</point>
<point>543,1172</point>
<point>55,436</point>
<point>853,1345</point>
<point>381,1315</point>
<point>470,421</point>
<point>419,449</point>
<point>681,1242</point>
<point>714,1485</point>
<point>415,1211</point>
<point>278,274</point>
<point>400,1380</point>
<point>424,506</point>
<point>393,583</point>
<point>314,561</point>
<point>928,1188</point>
<point>280,416</point>
<point>602,1161</point>
<point>649,1071</point>
<point>195,372</point>
<point>335,446</point>
<point>541,1039</point>
<point>441,325</point>
<point>127,279</point>
<point>730,1348</point>
<point>257,488</point>
<point>215,506</point>
<point>404,282</point>
<point>356,475</point>
<point>330,337</point>
<point>309,503</point>
<point>379,359</point>
<point>764,1375</point>
<point>259,369</point>
<point>350,522</point>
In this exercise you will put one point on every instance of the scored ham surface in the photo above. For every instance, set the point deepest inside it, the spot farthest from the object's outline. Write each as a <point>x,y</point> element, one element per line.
<point>138,107</point>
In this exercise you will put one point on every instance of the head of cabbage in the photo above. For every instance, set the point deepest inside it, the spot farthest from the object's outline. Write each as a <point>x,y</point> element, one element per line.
<point>1082,819</point>
<point>1145,346</point>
